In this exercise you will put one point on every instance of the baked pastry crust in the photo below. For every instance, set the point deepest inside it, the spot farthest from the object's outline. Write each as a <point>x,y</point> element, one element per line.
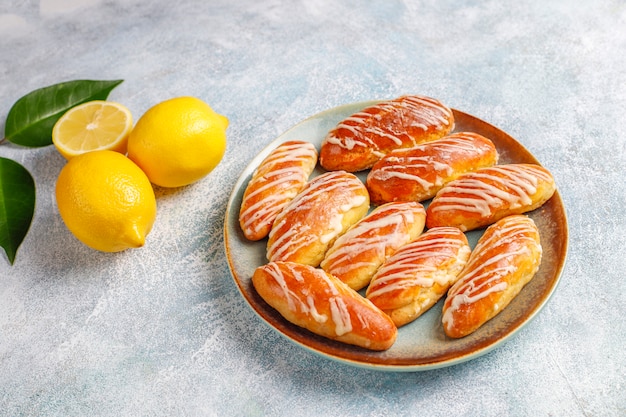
<point>276,181</point>
<point>419,274</point>
<point>325,208</point>
<point>361,139</point>
<point>315,300</point>
<point>505,259</point>
<point>356,255</point>
<point>418,173</point>
<point>480,198</point>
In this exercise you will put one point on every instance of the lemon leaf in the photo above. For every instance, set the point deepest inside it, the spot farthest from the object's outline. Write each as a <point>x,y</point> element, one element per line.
<point>32,117</point>
<point>17,205</point>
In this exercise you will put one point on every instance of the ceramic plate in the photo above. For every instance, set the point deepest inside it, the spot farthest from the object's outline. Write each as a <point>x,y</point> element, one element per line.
<point>422,344</point>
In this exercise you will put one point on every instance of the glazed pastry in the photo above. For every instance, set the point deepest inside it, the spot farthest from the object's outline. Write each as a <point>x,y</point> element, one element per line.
<point>357,254</point>
<point>315,300</point>
<point>505,259</point>
<point>360,140</point>
<point>416,174</point>
<point>274,184</point>
<point>482,197</point>
<point>419,274</point>
<point>325,208</point>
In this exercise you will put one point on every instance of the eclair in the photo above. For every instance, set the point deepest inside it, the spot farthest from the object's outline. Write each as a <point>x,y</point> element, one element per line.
<point>315,300</point>
<point>356,255</point>
<point>321,212</point>
<point>480,198</point>
<point>418,173</point>
<point>419,274</point>
<point>361,139</point>
<point>504,260</point>
<point>276,181</point>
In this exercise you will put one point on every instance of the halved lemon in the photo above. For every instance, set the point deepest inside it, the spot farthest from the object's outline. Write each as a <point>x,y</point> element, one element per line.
<point>93,126</point>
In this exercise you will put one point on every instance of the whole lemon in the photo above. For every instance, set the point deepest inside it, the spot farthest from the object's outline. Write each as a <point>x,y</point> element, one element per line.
<point>106,201</point>
<point>178,141</point>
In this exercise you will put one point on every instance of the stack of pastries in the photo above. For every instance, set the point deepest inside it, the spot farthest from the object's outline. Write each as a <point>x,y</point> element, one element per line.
<point>353,260</point>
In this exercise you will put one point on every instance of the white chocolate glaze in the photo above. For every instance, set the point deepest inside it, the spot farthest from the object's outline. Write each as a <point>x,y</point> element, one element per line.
<point>490,188</point>
<point>383,231</point>
<point>284,172</point>
<point>431,163</point>
<point>418,264</point>
<point>485,275</point>
<point>363,130</point>
<point>320,206</point>
<point>305,302</point>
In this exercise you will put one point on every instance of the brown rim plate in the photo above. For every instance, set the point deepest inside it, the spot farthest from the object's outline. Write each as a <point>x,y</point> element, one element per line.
<point>420,345</point>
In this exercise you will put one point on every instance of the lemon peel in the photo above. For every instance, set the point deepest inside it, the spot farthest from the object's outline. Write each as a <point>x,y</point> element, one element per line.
<point>178,141</point>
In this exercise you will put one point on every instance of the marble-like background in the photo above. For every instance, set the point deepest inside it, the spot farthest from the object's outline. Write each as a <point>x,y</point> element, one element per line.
<point>163,331</point>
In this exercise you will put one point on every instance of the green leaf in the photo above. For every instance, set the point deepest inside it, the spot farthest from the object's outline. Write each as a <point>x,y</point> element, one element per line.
<point>17,205</point>
<point>32,117</point>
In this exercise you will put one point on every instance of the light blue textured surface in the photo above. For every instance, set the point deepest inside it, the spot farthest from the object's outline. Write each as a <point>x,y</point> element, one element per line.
<point>163,331</point>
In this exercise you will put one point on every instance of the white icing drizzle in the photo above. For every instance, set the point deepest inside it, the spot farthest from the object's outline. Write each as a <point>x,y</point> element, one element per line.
<point>418,263</point>
<point>478,280</point>
<point>436,157</point>
<point>289,241</point>
<point>340,315</point>
<point>295,159</point>
<point>346,192</point>
<point>511,185</point>
<point>383,230</point>
<point>294,302</point>
<point>425,113</point>
<point>304,302</point>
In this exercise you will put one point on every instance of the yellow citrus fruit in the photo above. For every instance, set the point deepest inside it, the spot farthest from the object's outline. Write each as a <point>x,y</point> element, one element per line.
<point>178,141</point>
<point>92,126</point>
<point>106,201</point>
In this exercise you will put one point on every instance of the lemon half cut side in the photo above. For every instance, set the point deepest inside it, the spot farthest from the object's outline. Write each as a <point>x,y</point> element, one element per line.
<point>93,126</point>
